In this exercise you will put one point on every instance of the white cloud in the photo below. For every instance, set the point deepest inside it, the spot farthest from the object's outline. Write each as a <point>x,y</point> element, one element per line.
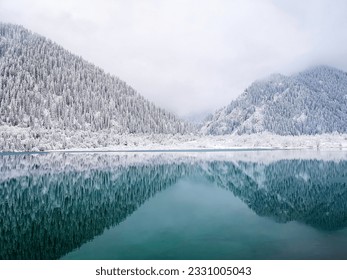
<point>191,56</point>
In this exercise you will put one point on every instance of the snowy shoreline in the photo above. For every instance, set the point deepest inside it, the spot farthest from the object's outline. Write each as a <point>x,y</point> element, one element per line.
<point>15,165</point>
<point>16,139</point>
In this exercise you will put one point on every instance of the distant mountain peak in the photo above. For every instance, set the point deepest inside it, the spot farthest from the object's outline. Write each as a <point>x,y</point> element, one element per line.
<point>321,67</point>
<point>310,102</point>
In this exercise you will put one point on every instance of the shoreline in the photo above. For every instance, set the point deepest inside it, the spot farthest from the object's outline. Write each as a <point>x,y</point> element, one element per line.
<point>16,139</point>
<point>175,151</point>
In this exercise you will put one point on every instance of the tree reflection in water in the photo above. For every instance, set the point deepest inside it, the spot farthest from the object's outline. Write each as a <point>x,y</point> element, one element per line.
<point>52,204</point>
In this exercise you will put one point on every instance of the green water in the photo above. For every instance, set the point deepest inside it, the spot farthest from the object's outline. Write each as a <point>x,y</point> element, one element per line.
<point>96,206</point>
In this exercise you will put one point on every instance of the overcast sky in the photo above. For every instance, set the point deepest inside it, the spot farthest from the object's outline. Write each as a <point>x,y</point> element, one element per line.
<point>191,56</point>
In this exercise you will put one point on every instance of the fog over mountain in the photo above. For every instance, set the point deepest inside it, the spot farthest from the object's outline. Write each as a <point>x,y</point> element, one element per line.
<point>52,99</point>
<point>205,53</point>
<point>310,102</point>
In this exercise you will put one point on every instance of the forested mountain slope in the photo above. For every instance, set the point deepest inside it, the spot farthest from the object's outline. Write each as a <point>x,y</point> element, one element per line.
<point>43,86</point>
<point>310,102</point>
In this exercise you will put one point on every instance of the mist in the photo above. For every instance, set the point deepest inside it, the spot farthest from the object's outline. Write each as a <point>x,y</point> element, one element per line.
<point>191,57</point>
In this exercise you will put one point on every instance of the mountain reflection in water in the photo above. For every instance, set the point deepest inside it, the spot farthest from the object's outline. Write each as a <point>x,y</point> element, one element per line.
<point>52,204</point>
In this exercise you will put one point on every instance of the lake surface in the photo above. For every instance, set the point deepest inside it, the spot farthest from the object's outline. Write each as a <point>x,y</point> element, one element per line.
<point>230,205</point>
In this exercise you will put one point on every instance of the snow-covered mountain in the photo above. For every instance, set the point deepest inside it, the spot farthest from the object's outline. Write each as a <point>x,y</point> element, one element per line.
<point>310,102</point>
<point>43,86</point>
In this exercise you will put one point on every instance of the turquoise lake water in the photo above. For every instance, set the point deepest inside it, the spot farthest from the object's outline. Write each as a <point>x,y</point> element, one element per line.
<point>178,206</point>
